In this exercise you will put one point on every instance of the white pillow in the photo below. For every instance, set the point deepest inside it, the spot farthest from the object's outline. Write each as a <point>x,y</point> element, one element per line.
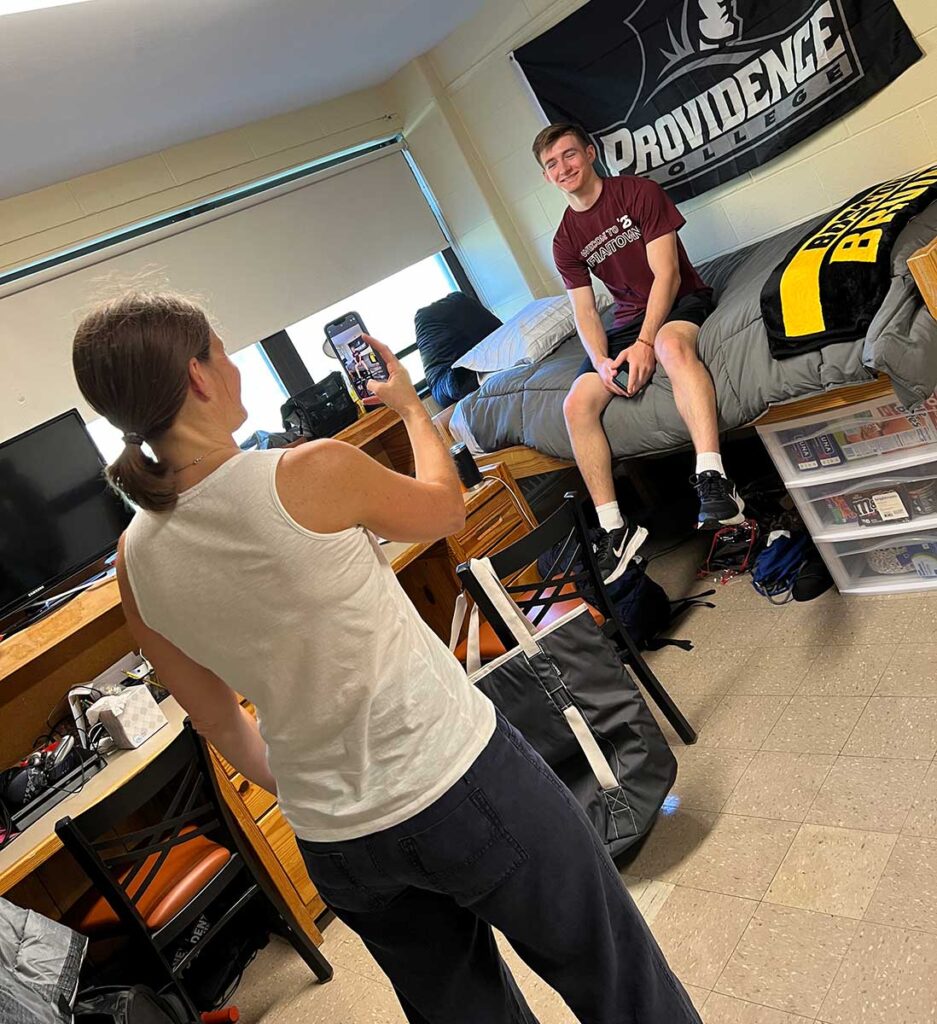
<point>527,337</point>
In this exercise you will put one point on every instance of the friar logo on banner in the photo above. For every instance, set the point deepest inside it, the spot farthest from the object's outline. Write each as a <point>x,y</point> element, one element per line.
<point>692,93</point>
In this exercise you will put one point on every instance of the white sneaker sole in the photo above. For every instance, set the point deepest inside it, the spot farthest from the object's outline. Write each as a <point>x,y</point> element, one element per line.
<point>631,549</point>
<point>736,520</point>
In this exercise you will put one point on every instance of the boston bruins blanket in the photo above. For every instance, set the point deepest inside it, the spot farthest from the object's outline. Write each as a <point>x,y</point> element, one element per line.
<point>830,285</point>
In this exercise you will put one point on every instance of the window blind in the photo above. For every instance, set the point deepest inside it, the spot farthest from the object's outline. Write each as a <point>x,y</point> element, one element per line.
<point>257,266</point>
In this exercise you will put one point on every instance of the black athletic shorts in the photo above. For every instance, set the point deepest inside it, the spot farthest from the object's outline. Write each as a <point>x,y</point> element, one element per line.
<point>694,308</point>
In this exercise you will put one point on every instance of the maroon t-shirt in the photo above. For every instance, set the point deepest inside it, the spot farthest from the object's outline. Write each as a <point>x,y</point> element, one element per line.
<point>610,240</point>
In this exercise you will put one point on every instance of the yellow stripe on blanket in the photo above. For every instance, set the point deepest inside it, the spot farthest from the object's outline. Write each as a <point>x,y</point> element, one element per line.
<point>852,235</point>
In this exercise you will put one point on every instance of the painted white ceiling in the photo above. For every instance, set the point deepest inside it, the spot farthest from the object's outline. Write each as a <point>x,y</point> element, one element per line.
<point>96,83</point>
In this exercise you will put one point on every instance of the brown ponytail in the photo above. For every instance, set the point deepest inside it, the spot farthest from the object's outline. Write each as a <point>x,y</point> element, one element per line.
<point>131,359</point>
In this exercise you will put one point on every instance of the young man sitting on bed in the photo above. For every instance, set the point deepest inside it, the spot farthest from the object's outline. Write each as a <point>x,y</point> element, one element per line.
<point>624,231</point>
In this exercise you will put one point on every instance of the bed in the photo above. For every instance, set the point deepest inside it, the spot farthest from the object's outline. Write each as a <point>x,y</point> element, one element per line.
<point>521,409</point>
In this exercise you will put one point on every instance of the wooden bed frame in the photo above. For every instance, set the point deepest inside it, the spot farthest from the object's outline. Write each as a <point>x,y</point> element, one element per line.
<point>523,461</point>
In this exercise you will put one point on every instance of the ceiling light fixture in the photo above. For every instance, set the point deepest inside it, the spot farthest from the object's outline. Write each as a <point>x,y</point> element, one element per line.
<point>20,6</point>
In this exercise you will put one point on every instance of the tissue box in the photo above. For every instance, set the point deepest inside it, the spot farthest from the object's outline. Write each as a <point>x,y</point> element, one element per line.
<point>130,717</point>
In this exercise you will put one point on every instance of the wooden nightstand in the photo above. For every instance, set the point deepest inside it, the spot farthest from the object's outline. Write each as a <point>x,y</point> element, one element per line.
<point>496,515</point>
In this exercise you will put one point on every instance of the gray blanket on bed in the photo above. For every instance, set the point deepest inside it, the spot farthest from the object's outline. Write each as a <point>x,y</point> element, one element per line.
<point>524,405</point>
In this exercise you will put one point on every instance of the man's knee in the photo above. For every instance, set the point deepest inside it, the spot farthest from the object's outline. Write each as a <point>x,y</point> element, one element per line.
<point>674,349</point>
<point>584,402</point>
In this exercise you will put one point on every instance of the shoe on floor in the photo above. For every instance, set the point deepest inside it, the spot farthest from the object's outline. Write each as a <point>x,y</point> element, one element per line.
<point>614,549</point>
<point>719,504</point>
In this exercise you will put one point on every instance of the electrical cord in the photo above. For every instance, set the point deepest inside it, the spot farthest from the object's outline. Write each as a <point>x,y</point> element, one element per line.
<point>524,515</point>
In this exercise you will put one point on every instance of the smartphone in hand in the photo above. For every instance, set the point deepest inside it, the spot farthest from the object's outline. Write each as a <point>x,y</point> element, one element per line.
<point>359,361</point>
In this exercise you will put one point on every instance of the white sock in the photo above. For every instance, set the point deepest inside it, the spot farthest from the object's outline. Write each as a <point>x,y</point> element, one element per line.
<point>709,460</point>
<point>609,516</point>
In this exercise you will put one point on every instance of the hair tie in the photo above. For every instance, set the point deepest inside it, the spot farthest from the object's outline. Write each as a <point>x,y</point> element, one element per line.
<point>133,438</point>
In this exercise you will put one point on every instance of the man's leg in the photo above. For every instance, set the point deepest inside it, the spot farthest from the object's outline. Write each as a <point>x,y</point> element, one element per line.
<point>693,392</point>
<point>583,408</point>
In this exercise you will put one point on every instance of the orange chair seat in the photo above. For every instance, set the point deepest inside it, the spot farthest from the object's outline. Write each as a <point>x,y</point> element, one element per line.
<point>187,869</point>
<point>490,647</point>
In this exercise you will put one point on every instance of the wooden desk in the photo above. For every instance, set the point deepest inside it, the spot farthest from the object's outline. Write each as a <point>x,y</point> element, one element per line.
<point>39,842</point>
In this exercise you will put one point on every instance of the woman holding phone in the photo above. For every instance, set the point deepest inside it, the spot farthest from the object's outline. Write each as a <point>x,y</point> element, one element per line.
<point>423,817</point>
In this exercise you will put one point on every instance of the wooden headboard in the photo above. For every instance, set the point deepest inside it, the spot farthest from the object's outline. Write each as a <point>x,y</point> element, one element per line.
<point>923,267</point>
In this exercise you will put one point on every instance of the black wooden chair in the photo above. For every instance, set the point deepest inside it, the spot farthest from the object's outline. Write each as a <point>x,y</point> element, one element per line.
<point>153,884</point>
<point>565,532</point>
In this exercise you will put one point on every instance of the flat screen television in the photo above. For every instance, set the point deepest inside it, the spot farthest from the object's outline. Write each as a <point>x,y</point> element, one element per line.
<point>58,517</point>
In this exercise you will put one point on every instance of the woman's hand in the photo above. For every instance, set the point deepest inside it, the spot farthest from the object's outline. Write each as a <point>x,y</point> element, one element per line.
<point>397,392</point>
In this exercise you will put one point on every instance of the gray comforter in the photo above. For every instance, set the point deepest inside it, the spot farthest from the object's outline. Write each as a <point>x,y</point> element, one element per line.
<point>524,404</point>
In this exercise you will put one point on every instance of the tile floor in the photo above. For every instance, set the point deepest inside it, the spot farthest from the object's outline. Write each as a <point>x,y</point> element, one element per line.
<point>795,877</point>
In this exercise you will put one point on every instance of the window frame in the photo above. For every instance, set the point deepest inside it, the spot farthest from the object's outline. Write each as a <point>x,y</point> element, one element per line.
<point>292,370</point>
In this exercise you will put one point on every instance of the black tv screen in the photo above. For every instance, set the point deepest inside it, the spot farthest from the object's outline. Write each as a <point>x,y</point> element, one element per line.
<point>57,513</point>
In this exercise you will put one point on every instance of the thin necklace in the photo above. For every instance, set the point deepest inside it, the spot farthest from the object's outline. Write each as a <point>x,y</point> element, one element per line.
<point>195,462</point>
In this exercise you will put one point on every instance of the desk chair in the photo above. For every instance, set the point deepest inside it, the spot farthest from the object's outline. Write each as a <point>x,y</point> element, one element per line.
<point>544,602</point>
<point>152,884</point>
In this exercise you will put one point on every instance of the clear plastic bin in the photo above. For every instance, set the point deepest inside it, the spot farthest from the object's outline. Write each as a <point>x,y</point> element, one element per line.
<point>883,564</point>
<point>899,500</point>
<point>876,436</point>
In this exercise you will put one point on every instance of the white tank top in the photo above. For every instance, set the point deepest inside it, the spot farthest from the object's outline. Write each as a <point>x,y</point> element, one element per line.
<point>366,715</point>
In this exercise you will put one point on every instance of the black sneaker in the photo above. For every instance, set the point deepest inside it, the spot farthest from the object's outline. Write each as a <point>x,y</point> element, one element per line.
<point>719,505</point>
<point>614,549</point>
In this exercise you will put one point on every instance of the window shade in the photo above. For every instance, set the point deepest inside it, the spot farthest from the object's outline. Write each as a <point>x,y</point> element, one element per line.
<point>257,266</point>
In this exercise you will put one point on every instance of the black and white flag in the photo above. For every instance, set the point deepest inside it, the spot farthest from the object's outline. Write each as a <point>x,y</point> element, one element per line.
<point>693,93</point>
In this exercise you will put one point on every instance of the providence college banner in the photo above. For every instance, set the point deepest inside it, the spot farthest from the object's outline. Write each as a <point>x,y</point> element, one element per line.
<point>692,93</point>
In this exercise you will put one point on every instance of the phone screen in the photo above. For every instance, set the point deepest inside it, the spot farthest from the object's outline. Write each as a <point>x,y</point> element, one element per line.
<point>360,362</point>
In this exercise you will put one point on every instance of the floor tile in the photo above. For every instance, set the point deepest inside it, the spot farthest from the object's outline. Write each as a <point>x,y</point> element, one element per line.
<point>697,709</point>
<point>921,627</point>
<point>706,776</point>
<point>779,785</point>
<point>871,621</point>
<point>906,896</point>
<point>686,673</point>
<point>731,623</point>
<point>664,853</point>
<point>775,670</point>
<point>699,930</point>
<point>922,821</point>
<point>649,894</point>
<point>377,1005</point>
<point>896,727</point>
<point>831,870</point>
<point>889,976</point>
<point>353,956</point>
<point>787,959</point>
<point>697,995</point>
<point>872,793</point>
<point>547,1005</point>
<point>852,671</point>
<point>739,856</point>
<point>912,672</point>
<point>722,1009</point>
<point>815,725</point>
<point>741,723</point>
<point>278,988</point>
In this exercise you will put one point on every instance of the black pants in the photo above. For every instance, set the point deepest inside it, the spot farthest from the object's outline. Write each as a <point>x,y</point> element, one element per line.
<point>507,846</point>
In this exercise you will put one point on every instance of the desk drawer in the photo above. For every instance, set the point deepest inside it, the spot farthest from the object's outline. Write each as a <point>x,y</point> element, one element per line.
<point>487,527</point>
<point>255,798</point>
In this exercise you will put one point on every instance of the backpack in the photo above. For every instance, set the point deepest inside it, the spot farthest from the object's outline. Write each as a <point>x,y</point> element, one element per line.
<point>641,603</point>
<point>127,1004</point>
<point>777,567</point>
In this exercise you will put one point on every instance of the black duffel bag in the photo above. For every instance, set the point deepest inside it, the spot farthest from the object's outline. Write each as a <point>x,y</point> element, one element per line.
<point>566,690</point>
<point>321,410</point>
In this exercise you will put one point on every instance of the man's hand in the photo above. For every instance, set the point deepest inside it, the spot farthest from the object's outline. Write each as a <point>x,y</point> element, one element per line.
<point>606,369</point>
<point>641,364</point>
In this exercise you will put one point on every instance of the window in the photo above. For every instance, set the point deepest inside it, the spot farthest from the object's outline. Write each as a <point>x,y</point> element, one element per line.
<point>262,393</point>
<point>387,308</point>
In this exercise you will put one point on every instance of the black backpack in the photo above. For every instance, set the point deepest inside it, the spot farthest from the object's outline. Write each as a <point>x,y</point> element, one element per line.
<point>127,1004</point>
<point>641,603</point>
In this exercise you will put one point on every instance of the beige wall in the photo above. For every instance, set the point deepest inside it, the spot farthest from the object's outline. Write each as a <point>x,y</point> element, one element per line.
<point>62,215</point>
<point>893,132</point>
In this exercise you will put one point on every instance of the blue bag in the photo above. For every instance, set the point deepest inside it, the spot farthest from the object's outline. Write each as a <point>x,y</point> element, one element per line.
<point>778,565</point>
